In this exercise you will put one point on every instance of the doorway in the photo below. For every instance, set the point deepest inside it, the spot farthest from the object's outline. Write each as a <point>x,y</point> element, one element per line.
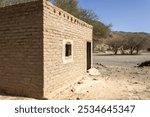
<point>88,55</point>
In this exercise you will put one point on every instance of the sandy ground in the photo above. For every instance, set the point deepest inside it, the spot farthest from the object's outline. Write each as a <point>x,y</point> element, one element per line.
<point>121,60</point>
<point>118,79</point>
<point>113,83</point>
<point>4,97</point>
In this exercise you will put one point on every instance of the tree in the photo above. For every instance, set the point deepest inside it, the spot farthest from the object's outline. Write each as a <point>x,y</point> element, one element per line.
<point>100,30</point>
<point>11,2</point>
<point>148,44</point>
<point>2,2</point>
<point>135,42</point>
<point>115,42</point>
<point>132,42</point>
<point>70,6</point>
<point>141,43</point>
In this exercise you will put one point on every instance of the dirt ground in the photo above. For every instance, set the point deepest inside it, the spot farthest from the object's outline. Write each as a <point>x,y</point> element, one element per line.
<point>118,80</point>
<point>121,60</point>
<point>113,83</point>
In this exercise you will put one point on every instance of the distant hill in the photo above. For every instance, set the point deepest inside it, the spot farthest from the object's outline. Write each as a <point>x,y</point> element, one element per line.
<point>140,33</point>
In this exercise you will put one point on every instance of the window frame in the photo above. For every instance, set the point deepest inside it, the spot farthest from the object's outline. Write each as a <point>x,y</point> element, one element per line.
<point>67,59</point>
<point>68,49</point>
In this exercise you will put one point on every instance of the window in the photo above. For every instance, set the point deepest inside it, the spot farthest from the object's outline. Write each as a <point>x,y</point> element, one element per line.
<point>67,51</point>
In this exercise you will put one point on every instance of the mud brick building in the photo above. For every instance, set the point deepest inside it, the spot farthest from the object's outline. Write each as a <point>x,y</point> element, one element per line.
<point>42,49</point>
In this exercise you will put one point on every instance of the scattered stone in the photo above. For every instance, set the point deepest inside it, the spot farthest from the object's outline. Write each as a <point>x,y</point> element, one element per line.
<point>95,79</point>
<point>135,73</point>
<point>94,72</point>
<point>72,90</point>
<point>143,64</point>
<point>135,92</point>
<point>80,82</point>
<point>83,78</point>
<point>101,65</point>
<point>135,83</point>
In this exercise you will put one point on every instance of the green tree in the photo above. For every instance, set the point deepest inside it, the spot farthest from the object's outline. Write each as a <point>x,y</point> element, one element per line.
<point>100,30</point>
<point>11,2</point>
<point>71,6</point>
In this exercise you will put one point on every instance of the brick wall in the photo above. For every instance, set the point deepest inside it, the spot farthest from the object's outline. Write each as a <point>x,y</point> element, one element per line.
<point>59,26</point>
<point>31,49</point>
<point>21,53</point>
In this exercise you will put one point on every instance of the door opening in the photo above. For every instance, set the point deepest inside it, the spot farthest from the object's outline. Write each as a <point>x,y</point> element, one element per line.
<point>88,55</point>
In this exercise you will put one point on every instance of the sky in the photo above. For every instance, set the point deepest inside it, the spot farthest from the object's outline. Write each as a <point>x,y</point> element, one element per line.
<point>124,15</point>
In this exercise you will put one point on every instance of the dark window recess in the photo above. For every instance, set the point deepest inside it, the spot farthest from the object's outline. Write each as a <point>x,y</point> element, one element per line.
<point>68,50</point>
